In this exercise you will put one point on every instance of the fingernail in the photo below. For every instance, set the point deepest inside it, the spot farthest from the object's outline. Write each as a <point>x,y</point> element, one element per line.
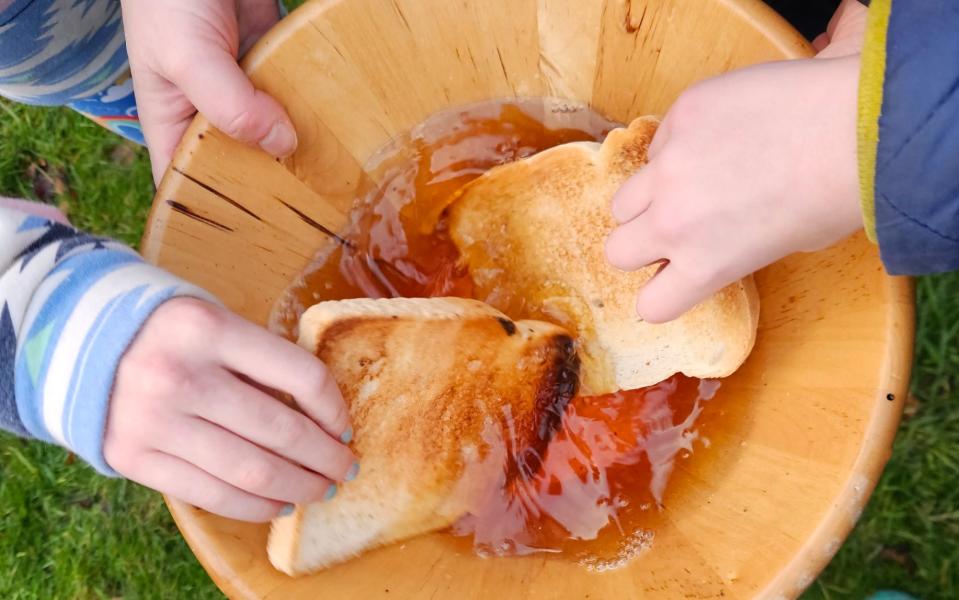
<point>286,510</point>
<point>330,492</point>
<point>281,141</point>
<point>347,436</point>
<point>353,472</point>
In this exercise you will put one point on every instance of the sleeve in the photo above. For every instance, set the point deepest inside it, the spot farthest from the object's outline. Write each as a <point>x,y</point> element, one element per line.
<point>70,305</point>
<point>909,134</point>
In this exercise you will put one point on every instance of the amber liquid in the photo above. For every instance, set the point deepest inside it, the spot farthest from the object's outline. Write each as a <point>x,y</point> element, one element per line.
<point>593,492</point>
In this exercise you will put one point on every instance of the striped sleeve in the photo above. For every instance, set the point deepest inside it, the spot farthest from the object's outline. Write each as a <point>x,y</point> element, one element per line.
<point>70,305</point>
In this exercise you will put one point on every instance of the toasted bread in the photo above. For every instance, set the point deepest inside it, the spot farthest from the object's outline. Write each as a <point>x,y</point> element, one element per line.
<point>425,381</point>
<point>533,235</point>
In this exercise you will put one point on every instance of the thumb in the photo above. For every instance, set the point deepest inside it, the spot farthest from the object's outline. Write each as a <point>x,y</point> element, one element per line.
<point>222,93</point>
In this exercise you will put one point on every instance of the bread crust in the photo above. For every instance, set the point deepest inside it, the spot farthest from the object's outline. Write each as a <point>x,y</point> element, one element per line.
<point>533,234</point>
<point>428,382</point>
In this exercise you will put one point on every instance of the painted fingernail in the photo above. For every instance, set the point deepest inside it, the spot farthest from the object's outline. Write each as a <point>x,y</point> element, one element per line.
<point>330,492</point>
<point>281,141</point>
<point>286,510</point>
<point>353,472</point>
<point>347,436</point>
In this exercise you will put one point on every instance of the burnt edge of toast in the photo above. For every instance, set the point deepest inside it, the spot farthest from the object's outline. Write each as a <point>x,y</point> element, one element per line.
<point>508,326</point>
<point>553,393</point>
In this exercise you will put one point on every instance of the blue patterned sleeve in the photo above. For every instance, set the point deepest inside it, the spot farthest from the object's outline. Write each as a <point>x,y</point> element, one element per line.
<point>70,305</point>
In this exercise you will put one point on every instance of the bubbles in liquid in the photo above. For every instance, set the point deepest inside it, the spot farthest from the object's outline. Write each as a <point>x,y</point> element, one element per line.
<point>630,547</point>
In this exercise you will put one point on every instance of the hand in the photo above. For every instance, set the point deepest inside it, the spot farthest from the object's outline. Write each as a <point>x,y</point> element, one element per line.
<point>183,56</point>
<point>185,420</point>
<point>845,33</point>
<point>745,169</point>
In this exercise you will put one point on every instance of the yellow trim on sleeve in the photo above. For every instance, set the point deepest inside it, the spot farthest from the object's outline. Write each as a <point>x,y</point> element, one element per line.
<point>871,79</point>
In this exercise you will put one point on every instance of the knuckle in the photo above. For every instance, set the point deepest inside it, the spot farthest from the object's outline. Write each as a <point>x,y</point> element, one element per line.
<point>217,499</point>
<point>242,125</point>
<point>317,378</point>
<point>340,417</point>
<point>688,107</point>
<point>700,273</point>
<point>668,172</point>
<point>666,225</point>
<point>197,321</point>
<point>121,456</point>
<point>198,315</point>
<point>159,376</point>
<point>255,475</point>
<point>178,67</point>
<point>287,429</point>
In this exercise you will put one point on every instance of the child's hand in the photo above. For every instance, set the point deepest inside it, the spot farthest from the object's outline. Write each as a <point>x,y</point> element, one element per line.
<point>745,169</point>
<point>183,55</point>
<point>183,422</point>
<point>845,33</point>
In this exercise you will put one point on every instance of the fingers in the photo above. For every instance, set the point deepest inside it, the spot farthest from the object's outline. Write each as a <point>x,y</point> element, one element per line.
<point>254,18</point>
<point>263,420</point>
<point>164,114</point>
<point>849,14</point>
<point>633,198</point>
<point>820,42</point>
<point>182,480</point>
<point>282,365</point>
<point>243,465</point>
<point>221,92</point>
<point>659,138</point>
<point>672,292</point>
<point>162,143</point>
<point>633,246</point>
<point>845,33</point>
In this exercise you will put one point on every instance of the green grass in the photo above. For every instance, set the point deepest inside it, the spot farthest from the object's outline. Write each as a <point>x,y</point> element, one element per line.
<point>67,533</point>
<point>908,537</point>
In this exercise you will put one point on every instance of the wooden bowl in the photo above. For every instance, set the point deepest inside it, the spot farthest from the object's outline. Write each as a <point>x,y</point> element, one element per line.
<point>813,411</point>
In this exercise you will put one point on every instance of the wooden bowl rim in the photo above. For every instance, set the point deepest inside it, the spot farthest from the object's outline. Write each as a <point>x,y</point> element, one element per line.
<point>836,524</point>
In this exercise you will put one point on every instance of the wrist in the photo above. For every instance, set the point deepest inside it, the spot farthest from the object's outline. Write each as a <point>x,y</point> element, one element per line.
<point>84,313</point>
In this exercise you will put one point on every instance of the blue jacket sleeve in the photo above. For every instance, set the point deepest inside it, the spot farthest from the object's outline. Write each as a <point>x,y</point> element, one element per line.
<point>916,172</point>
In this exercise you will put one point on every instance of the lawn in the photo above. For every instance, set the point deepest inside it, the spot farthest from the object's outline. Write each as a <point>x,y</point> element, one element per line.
<point>67,533</point>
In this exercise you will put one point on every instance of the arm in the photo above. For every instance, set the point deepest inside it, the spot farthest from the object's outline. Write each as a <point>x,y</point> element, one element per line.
<point>70,304</point>
<point>183,55</point>
<point>909,134</point>
<point>102,353</point>
<point>745,169</point>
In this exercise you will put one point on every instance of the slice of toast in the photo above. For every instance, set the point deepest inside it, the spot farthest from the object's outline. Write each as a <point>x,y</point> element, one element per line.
<point>533,235</point>
<point>428,382</point>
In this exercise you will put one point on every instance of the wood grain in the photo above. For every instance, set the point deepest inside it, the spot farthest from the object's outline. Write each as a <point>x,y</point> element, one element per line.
<point>810,424</point>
